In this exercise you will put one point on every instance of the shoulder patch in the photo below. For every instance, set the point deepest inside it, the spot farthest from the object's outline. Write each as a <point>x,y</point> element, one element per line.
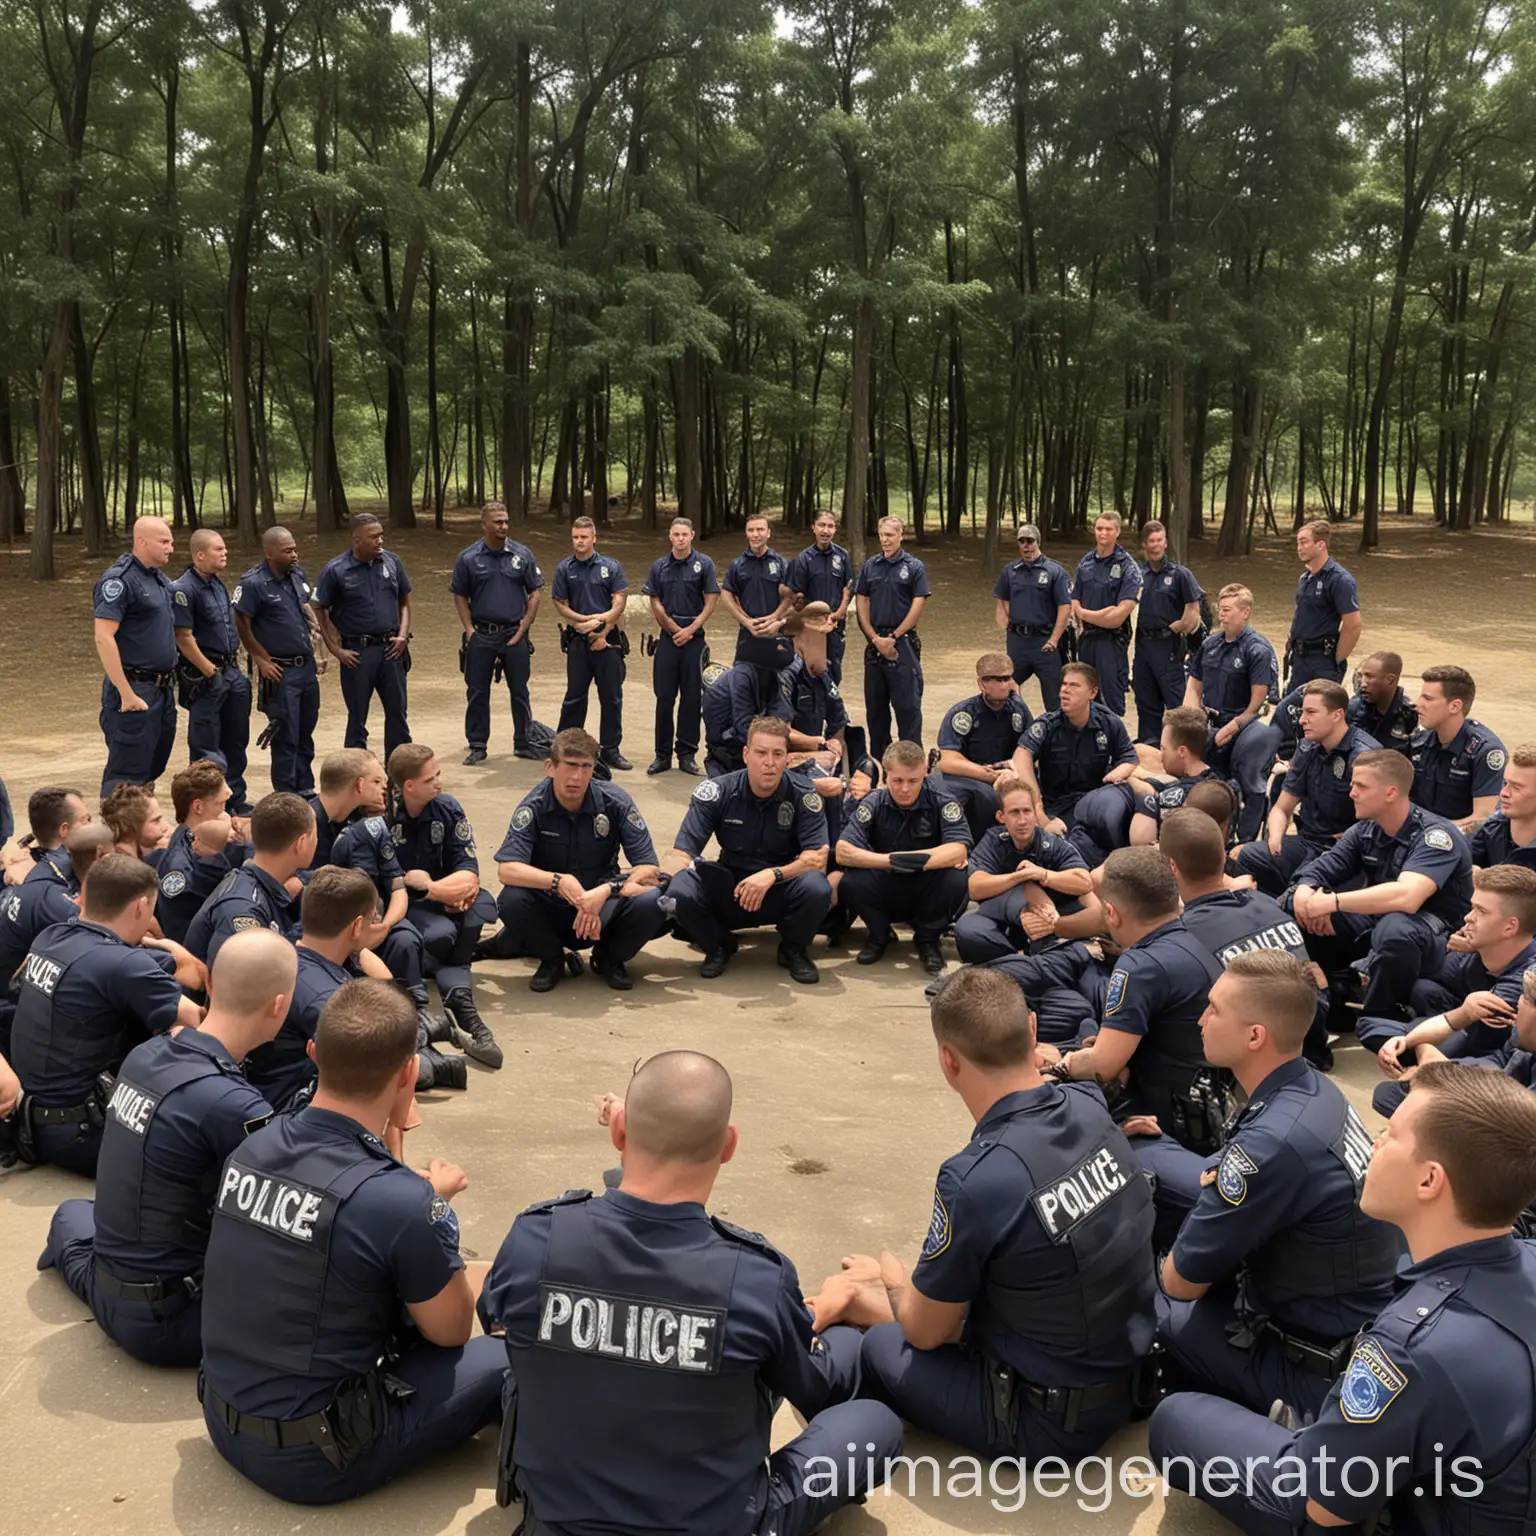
<point>952,811</point>
<point>1118,984</point>
<point>112,590</point>
<point>462,829</point>
<point>864,814</point>
<point>812,801</point>
<point>374,827</point>
<point>236,597</point>
<point>707,791</point>
<point>522,817</point>
<point>939,1232</point>
<point>961,724</point>
<point>1496,758</point>
<point>181,599</point>
<point>174,883</point>
<point>635,819</point>
<point>1232,1175</point>
<point>1372,1383</point>
<point>1438,837</point>
<point>246,924</point>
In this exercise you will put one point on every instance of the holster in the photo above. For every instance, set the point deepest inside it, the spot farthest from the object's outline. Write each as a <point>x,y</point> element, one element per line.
<point>649,644</point>
<point>265,690</point>
<point>191,685</point>
<point>1003,1388</point>
<point>26,1136</point>
<point>463,655</point>
<point>1201,1114</point>
<point>619,639</point>
<point>357,1418</point>
<point>567,635</point>
<point>506,1469</point>
<point>405,655</point>
<point>1123,636</point>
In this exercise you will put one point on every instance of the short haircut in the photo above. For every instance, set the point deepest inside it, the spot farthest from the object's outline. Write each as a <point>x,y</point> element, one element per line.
<point>1237,592</point>
<point>1319,528</point>
<point>86,844</point>
<point>993,664</point>
<point>279,820</point>
<point>682,522</point>
<point>1139,883</point>
<point>366,1034</point>
<point>678,1108</point>
<point>116,880</point>
<point>1214,798</point>
<point>334,899</point>
<point>891,522</point>
<point>201,780</point>
<point>583,522</point>
<point>363,520</point>
<point>1515,887</point>
<point>492,506</point>
<point>252,969</point>
<point>1189,728</point>
<point>126,809</point>
<point>48,810</point>
<point>1333,696</point>
<point>202,538</point>
<point>1281,992</point>
<point>981,1014</point>
<point>339,771</point>
<point>1006,784</point>
<point>1194,844</point>
<point>1082,669</point>
<point>1455,681</point>
<point>1392,767</point>
<point>756,517</point>
<point>573,743</point>
<point>1152,525</point>
<point>1480,1126</point>
<point>407,762</point>
<point>1523,756</point>
<point>1390,661</point>
<point>1109,517</point>
<point>903,754</point>
<point>768,725</point>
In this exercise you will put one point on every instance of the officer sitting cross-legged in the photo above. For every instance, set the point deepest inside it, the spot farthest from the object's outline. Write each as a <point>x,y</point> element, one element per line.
<point>179,1108</point>
<point>313,1385</point>
<point>649,1343</point>
<point>51,813</point>
<point>202,850</point>
<point>977,740</point>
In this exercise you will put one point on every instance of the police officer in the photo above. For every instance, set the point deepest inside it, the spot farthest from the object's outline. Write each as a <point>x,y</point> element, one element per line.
<point>589,596</point>
<point>661,1421</point>
<point>86,993</point>
<point>214,691</point>
<point>772,833</point>
<point>495,587</point>
<point>257,894</point>
<point>1230,678</point>
<point>978,738</point>
<point>1104,591</point>
<point>1149,1020</point>
<point>1326,624</point>
<point>52,814</point>
<point>1182,747</point>
<point>890,595</point>
<point>1030,886</point>
<point>1033,603</point>
<point>1432,1420</point>
<point>757,685</point>
<point>755,590</point>
<point>279,629</point>
<point>1315,793</point>
<point>311,1387</point>
<point>1038,1257</point>
<point>1275,1268</point>
<point>903,856</point>
<point>1381,709</point>
<point>817,711</point>
<point>435,845</point>
<point>201,851</point>
<point>1417,873</point>
<point>1509,835</point>
<point>1168,614</point>
<point>559,870</point>
<point>136,820</point>
<point>136,641</point>
<point>180,1106</point>
<point>683,590</point>
<point>823,573</point>
<point>1458,763</point>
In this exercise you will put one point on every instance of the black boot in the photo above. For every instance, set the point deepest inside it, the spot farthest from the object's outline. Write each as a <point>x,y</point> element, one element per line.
<point>434,1070</point>
<point>718,958</point>
<point>799,964</point>
<point>434,1029</point>
<point>931,956</point>
<point>473,1035</point>
<point>548,975</point>
<point>610,970</point>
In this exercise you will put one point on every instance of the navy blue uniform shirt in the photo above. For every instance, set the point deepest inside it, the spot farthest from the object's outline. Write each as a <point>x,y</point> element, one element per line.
<point>754,581</point>
<point>1166,591</point>
<point>1102,581</point>
<point>891,582</point>
<point>363,596</point>
<point>880,825</point>
<point>1395,726</point>
<point>1492,843</point>
<point>52,864</point>
<point>754,834</point>
<point>440,840</point>
<point>1227,670</point>
<point>1320,777</point>
<point>1425,844</point>
<point>982,733</point>
<point>821,576</point>
<point>1323,600</point>
<point>816,705</point>
<point>584,842</point>
<point>203,606</point>
<point>1446,780</point>
<point>682,585</point>
<point>141,601</point>
<point>25,910</point>
<point>1233,923</point>
<point>589,586</point>
<point>282,1067</point>
<point>275,605</point>
<point>1034,590</point>
<point>1069,759</point>
<point>497,582</point>
<point>997,853</point>
<point>738,696</point>
<point>188,879</point>
<point>245,899</point>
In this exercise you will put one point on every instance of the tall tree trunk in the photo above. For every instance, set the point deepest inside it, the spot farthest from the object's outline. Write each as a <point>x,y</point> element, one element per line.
<point>12,502</point>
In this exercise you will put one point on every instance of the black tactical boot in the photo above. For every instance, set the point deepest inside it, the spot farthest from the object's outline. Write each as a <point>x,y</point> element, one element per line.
<point>472,1035</point>
<point>434,1070</point>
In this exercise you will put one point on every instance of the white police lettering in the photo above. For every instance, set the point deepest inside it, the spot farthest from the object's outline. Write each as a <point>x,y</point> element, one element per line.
<point>41,972</point>
<point>1283,936</point>
<point>131,1107</point>
<point>1353,1148</point>
<point>291,1210</point>
<point>1073,1198</point>
<point>649,1333</point>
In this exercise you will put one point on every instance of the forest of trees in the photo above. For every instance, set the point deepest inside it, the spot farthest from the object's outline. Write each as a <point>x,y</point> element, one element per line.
<point>967,260</point>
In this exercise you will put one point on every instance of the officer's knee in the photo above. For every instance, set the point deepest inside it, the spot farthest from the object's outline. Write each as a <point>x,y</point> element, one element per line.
<point>1399,931</point>
<point>881,1353</point>
<point>813,887</point>
<point>978,938</point>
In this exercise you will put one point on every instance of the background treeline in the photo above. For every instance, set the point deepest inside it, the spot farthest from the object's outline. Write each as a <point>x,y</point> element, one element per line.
<point>1207,260</point>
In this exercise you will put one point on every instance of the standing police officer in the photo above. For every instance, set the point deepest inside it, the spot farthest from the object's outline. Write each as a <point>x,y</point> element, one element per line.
<point>279,629</point>
<point>136,641</point>
<point>218,696</point>
<point>683,591</point>
<point>495,587</point>
<point>589,596</point>
<point>179,1108</point>
<point>559,870</point>
<point>1104,591</point>
<point>755,590</point>
<point>661,1421</point>
<point>1458,763</point>
<point>978,738</point>
<point>891,593</point>
<point>1326,625</point>
<point>823,573</point>
<point>312,1387</point>
<point>1033,603</point>
<point>1169,612</point>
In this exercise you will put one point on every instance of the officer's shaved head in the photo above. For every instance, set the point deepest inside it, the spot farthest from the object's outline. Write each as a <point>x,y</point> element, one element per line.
<point>275,538</point>
<point>982,1015</point>
<point>205,538</point>
<point>366,1034</point>
<point>150,530</point>
<point>678,1108</point>
<point>85,845</point>
<point>250,970</point>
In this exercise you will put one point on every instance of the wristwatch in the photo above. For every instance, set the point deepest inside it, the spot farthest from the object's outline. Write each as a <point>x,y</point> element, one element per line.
<point>616,885</point>
<point>778,875</point>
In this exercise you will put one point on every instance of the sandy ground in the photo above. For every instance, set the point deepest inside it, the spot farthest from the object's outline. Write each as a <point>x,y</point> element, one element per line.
<point>844,1119</point>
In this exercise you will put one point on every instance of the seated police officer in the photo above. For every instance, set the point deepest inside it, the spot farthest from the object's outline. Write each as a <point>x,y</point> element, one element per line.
<point>559,872</point>
<point>1381,709</point>
<point>1315,793</point>
<point>817,711</point>
<point>137,822</point>
<point>1033,602</point>
<point>589,594</point>
<point>683,590</point>
<point>1433,1417</point>
<point>314,1386</point>
<point>1182,747</point>
<point>977,740</point>
<point>51,813</point>
<point>1509,835</point>
<point>1417,874</point>
<point>753,687</point>
<point>202,849</point>
<point>87,993</point>
<point>1458,763</point>
<point>657,1419</point>
<point>772,833</point>
<point>179,1108</point>
<point>903,855</point>
<point>261,892</point>
<point>1274,1268</point>
<point>1022,1327</point>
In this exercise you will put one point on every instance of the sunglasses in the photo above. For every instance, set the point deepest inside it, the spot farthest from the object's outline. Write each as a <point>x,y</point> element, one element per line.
<point>987,677</point>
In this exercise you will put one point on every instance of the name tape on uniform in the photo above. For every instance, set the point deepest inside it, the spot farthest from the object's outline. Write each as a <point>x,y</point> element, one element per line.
<point>131,1107</point>
<point>41,972</point>
<point>648,1333</point>
<point>291,1210</point>
<point>1074,1197</point>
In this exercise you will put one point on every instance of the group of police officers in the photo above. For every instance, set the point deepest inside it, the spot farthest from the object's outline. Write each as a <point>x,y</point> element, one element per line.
<point>1165,1205</point>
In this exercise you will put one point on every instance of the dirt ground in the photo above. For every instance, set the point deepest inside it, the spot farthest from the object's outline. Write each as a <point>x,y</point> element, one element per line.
<point>844,1119</point>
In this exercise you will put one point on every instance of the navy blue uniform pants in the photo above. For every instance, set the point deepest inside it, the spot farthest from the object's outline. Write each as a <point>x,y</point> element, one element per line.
<point>1111,660</point>
<point>583,667</point>
<point>979,800</point>
<point>292,705</point>
<point>1247,759</point>
<point>73,1147</point>
<point>168,1332</point>
<point>220,722</point>
<point>139,742</point>
<point>1100,822</point>
<point>479,665</point>
<point>704,900</point>
<point>541,924</point>
<point>1273,875</point>
<point>1157,680</point>
<point>401,950</point>
<point>374,673</point>
<point>930,900</point>
<point>1308,669</point>
<point>1030,659</point>
<point>458,1393</point>
<point>448,939</point>
<point>678,681</point>
<point>837,645</point>
<point>893,687</point>
<point>1395,949</point>
<point>1056,983</point>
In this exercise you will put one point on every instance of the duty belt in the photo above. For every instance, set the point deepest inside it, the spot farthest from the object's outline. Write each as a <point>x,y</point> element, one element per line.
<point>1322,647</point>
<point>1325,1360</point>
<point>1030,629</point>
<point>220,659</point>
<point>1155,634</point>
<point>1009,1389</point>
<point>291,661</point>
<point>145,675</point>
<point>155,1290</point>
<point>494,629</point>
<point>73,1114</point>
<point>353,642</point>
<point>278,1434</point>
